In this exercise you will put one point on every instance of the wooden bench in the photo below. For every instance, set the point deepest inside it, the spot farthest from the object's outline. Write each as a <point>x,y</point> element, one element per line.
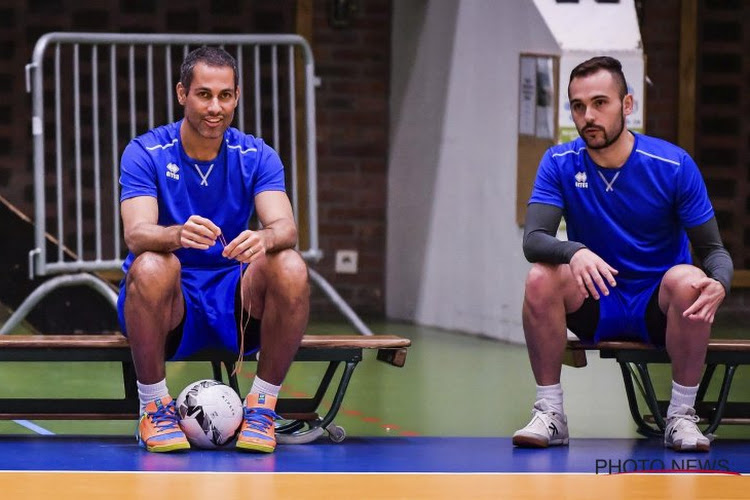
<point>634,358</point>
<point>301,423</point>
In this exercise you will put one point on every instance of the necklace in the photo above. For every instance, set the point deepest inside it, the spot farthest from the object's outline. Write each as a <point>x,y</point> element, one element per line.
<point>610,183</point>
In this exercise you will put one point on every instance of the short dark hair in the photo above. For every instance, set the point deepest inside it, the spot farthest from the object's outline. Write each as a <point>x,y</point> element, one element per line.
<point>211,56</point>
<point>599,63</point>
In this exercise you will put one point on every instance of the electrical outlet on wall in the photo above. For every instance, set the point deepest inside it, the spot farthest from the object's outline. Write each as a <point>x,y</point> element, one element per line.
<point>346,261</point>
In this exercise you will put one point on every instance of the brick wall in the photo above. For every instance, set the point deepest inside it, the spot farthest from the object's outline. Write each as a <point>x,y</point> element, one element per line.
<point>354,64</point>
<point>352,108</point>
<point>660,31</point>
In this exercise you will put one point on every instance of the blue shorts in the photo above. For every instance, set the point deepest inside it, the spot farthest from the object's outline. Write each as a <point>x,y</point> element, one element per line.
<point>630,311</point>
<point>211,303</point>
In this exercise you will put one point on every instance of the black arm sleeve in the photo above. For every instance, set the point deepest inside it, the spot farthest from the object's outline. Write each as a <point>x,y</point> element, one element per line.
<point>715,259</point>
<point>540,243</point>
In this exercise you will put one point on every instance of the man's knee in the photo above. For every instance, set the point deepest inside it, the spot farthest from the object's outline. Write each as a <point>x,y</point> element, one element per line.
<point>542,280</point>
<point>288,264</point>
<point>152,272</point>
<point>288,268</point>
<point>676,286</point>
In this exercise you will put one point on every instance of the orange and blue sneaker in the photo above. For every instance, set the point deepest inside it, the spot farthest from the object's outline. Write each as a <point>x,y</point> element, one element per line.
<point>258,432</point>
<point>159,430</point>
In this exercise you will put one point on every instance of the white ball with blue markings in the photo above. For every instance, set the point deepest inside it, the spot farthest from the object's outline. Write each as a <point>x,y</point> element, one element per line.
<point>210,413</point>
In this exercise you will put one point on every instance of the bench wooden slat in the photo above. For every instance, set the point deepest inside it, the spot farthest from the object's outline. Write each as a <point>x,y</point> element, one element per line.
<point>69,416</point>
<point>354,341</point>
<point>713,345</point>
<point>64,341</point>
<point>119,341</point>
<point>575,351</point>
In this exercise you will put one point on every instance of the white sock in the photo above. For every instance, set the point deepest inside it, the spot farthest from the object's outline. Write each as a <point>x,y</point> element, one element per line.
<point>260,386</point>
<point>553,394</point>
<point>681,395</point>
<point>150,392</point>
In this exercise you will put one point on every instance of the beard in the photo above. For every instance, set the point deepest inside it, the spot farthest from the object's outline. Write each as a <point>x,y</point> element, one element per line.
<point>609,137</point>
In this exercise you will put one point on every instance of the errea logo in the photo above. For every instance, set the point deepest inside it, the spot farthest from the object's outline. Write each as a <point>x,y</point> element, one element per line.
<point>581,180</point>
<point>172,170</point>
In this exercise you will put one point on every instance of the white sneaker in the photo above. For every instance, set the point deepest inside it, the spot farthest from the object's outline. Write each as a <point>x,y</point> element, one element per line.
<point>682,433</point>
<point>546,428</point>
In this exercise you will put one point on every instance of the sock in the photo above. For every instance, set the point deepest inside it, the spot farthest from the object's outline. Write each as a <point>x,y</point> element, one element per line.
<point>681,395</point>
<point>553,394</point>
<point>260,386</point>
<point>150,392</point>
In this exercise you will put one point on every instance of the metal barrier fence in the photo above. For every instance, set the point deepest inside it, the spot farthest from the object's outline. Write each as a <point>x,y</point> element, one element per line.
<point>93,92</point>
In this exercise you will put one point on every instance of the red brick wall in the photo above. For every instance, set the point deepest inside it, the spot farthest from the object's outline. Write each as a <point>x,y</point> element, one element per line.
<point>354,65</point>
<point>660,31</point>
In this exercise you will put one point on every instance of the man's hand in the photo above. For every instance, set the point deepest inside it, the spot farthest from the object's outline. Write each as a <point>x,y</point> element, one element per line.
<point>591,273</point>
<point>704,308</point>
<point>199,232</point>
<point>246,247</point>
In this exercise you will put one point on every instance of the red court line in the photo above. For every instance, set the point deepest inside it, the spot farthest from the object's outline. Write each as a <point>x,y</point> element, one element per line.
<point>291,391</point>
<point>679,471</point>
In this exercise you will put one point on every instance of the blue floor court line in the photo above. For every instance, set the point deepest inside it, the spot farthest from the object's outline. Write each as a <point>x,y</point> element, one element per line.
<point>359,454</point>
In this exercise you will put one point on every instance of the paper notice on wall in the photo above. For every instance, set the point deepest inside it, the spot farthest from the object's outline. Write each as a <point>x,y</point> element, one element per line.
<point>545,109</point>
<point>527,90</point>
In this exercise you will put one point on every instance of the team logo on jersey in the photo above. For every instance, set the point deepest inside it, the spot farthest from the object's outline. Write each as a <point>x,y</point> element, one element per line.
<point>581,180</point>
<point>172,170</point>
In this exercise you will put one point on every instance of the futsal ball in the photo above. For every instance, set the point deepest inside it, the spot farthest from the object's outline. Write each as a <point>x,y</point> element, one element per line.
<point>210,413</point>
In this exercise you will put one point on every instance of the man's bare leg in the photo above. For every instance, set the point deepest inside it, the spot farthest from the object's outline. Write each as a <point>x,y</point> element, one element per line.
<point>154,307</point>
<point>279,295</point>
<point>686,342</point>
<point>551,293</point>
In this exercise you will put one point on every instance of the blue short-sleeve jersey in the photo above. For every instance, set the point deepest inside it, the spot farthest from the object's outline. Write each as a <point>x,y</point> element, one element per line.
<point>633,217</point>
<point>222,190</point>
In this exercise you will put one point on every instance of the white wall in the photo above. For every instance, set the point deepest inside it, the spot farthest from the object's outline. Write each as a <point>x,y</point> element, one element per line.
<point>454,256</point>
<point>590,25</point>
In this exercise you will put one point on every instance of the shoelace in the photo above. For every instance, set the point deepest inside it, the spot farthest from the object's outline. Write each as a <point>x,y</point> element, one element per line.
<point>255,420</point>
<point>243,322</point>
<point>686,417</point>
<point>165,418</point>
<point>536,411</point>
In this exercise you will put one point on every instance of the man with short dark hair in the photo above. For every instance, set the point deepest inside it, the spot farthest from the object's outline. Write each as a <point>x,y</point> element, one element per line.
<point>196,276</point>
<point>632,204</point>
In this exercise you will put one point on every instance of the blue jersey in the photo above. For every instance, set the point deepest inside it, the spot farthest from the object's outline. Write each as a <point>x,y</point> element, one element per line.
<point>222,190</point>
<point>633,217</point>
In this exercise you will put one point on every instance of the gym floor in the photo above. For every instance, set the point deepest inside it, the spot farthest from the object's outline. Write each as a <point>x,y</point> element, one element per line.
<point>439,427</point>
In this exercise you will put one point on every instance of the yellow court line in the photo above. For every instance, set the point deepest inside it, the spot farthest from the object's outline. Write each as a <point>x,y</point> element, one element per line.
<point>226,486</point>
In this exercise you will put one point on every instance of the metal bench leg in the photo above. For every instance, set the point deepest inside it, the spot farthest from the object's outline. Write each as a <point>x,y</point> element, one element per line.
<point>643,428</point>
<point>708,375</point>
<point>729,371</point>
<point>309,405</point>
<point>317,428</point>
<point>340,391</point>
<point>231,377</point>
<point>130,386</point>
<point>216,368</point>
<point>650,395</point>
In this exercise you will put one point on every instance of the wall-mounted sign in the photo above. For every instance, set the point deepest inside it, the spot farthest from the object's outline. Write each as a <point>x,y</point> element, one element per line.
<point>536,109</point>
